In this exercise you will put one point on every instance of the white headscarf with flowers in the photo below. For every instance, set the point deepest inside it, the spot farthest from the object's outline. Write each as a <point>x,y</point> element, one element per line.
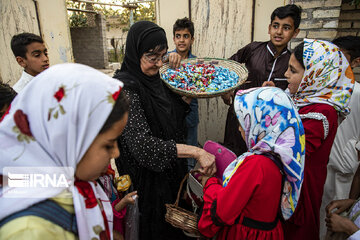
<point>328,77</point>
<point>52,123</point>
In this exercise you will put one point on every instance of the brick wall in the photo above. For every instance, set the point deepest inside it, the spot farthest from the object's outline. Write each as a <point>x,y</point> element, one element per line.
<point>328,19</point>
<point>319,19</point>
<point>89,44</point>
<point>349,24</point>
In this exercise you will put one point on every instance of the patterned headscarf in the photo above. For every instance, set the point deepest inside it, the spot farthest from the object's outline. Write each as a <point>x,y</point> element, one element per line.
<point>52,123</point>
<point>328,77</point>
<point>272,124</point>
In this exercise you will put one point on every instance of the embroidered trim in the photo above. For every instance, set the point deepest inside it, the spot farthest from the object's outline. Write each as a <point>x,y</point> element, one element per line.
<point>318,116</point>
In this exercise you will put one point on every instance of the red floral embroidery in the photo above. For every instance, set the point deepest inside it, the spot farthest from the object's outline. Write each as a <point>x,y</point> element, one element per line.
<point>60,94</point>
<point>116,94</point>
<point>22,123</point>
<point>87,192</point>
<point>6,113</point>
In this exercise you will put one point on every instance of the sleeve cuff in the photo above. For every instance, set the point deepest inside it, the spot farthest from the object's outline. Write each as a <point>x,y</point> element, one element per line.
<point>118,214</point>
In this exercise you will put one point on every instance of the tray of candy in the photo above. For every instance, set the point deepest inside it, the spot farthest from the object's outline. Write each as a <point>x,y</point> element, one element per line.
<point>204,77</point>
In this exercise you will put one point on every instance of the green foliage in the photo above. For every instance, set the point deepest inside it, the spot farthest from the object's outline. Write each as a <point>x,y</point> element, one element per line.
<point>78,20</point>
<point>144,11</point>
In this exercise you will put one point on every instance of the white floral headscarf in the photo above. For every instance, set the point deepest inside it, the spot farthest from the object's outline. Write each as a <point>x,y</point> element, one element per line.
<point>272,124</point>
<point>328,77</point>
<point>52,123</point>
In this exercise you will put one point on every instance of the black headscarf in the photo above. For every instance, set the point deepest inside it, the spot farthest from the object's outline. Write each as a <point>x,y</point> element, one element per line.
<point>142,37</point>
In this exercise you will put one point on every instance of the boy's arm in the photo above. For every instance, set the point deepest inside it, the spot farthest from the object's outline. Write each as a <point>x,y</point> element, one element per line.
<point>242,55</point>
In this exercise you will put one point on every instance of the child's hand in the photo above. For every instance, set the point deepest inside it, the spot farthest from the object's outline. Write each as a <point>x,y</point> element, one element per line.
<point>336,223</point>
<point>130,198</point>
<point>341,206</point>
<point>174,60</point>
<point>227,98</point>
<point>268,84</point>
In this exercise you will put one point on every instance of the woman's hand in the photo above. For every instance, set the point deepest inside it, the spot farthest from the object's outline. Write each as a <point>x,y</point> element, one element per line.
<point>341,206</point>
<point>207,162</point>
<point>203,179</point>
<point>336,223</point>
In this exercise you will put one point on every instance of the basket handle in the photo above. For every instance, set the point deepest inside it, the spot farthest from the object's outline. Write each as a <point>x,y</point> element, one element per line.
<point>181,186</point>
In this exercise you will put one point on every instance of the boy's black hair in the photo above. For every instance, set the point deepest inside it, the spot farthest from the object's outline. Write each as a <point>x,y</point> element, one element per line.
<point>7,94</point>
<point>20,41</point>
<point>290,10</point>
<point>120,108</point>
<point>298,52</point>
<point>349,43</point>
<point>184,23</point>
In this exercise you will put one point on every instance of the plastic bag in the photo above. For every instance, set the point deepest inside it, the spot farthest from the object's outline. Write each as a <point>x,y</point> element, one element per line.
<point>132,221</point>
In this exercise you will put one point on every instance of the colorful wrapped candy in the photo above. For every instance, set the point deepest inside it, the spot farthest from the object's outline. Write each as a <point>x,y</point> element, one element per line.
<point>200,77</point>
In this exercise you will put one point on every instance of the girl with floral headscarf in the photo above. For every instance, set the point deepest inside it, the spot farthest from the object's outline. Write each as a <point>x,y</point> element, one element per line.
<point>320,82</point>
<point>64,124</point>
<point>247,204</point>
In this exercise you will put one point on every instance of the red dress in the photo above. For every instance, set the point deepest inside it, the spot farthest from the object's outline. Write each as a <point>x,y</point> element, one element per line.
<point>305,223</point>
<point>252,192</point>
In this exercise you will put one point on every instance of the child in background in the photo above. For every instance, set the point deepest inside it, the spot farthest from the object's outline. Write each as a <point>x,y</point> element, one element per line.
<point>245,205</point>
<point>267,63</point>
<point>31,54</point>
<point>343,160</point>
<point>118,201</point>
<point>183,37</point>
<point>7,94</point>
<point>79,114</point>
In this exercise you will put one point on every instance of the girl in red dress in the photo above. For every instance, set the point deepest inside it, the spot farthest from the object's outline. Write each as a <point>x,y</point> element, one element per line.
<point>321,82</point>
<point>267,178</point>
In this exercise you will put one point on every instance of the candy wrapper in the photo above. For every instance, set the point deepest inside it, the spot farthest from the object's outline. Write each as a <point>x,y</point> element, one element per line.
<point>122,183</point>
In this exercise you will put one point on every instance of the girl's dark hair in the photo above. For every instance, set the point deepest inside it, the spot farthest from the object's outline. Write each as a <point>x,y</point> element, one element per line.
<point>298,52</point>
<point>120,108</point>
<point>7,94</point>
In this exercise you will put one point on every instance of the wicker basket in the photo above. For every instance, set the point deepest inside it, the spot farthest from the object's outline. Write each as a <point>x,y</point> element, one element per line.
<point>181,218</point>
<point>238,68</point>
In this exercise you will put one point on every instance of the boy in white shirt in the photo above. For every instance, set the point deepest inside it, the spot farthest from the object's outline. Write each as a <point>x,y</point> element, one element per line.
<point>31,54</point>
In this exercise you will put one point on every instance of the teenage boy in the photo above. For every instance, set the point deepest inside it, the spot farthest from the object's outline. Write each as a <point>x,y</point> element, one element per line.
<point>266,62</point>
<point>343,160</point>
<point>183,36</point>
<point>31,54</point>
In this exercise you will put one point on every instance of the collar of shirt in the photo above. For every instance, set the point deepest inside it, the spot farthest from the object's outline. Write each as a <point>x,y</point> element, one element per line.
<point>271,48</point>
<point>23,81</point>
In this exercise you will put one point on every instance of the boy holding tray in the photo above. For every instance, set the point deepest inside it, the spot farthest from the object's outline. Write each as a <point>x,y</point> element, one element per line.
<point>183,31</point>
<point>267,63</point>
